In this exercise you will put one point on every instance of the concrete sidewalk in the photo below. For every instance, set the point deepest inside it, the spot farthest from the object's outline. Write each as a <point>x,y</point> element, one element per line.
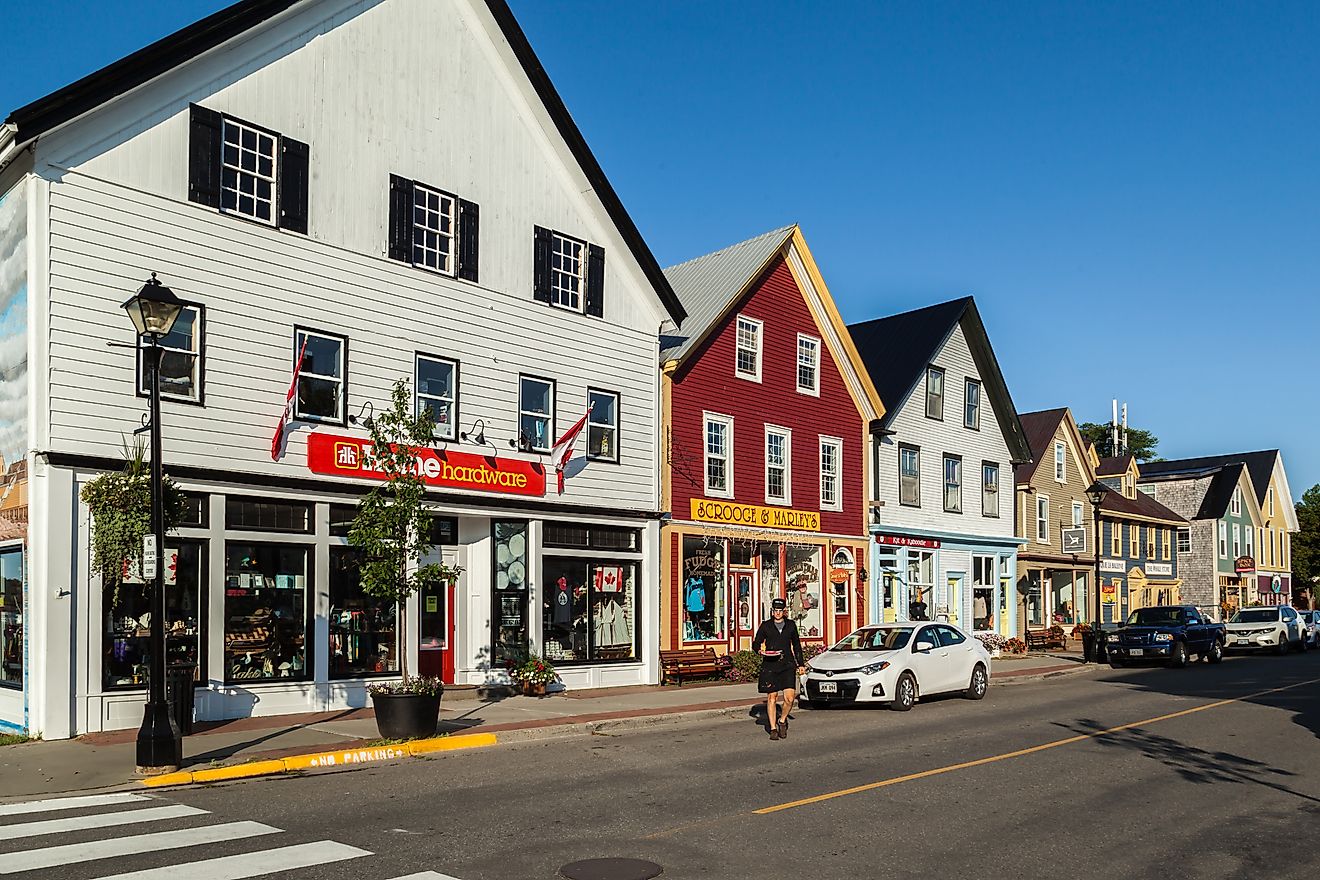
<point>105,760</point>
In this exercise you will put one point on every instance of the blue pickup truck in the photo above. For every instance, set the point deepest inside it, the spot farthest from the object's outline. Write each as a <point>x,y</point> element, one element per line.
<point>1167,634</point>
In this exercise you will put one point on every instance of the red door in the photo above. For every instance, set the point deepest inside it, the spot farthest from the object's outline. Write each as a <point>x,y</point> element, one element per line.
<point>435,654</point>
<point>842,599</point>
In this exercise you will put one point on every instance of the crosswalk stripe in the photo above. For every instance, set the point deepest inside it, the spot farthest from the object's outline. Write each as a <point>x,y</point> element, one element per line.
<point>51,805</point>
<point>255,864</point>
<point>427,875</point>
<point>73,853</point>
<point>98,820</point>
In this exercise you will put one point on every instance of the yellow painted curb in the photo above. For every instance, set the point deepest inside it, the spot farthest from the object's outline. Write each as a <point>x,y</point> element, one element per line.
<point>322,760</point>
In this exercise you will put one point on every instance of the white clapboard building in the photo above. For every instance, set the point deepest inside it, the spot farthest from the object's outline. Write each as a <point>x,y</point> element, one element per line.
<point>396,185</point>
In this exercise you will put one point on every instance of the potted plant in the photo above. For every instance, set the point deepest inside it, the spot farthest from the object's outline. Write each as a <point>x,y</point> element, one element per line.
<point>993,642</point>
<point>392,528</point>
<point>532,675</point>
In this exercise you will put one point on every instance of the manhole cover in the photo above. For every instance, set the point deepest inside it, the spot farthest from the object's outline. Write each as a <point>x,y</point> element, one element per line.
<point>611,869</point>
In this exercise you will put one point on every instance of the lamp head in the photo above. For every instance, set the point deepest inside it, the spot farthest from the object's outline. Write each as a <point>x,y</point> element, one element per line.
<point>154,309</point>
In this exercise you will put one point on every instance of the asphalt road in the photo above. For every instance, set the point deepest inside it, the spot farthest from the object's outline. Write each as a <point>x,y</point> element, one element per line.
<point>1206,772</point>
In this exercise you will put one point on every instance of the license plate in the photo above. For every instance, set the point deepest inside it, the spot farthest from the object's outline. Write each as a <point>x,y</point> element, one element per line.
<point>1244,641</point>
<point>828,687</point>
<point>1137,652</point>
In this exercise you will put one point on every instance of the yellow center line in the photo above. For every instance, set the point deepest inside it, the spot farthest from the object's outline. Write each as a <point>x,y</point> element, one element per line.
<point>884,783</point>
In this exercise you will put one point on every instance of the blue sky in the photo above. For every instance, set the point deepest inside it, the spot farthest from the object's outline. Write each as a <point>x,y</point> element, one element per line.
<point>1130,190</point>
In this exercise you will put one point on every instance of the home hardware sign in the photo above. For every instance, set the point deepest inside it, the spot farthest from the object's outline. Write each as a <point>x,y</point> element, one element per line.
<point>705,510</point>
<point>351,457</point>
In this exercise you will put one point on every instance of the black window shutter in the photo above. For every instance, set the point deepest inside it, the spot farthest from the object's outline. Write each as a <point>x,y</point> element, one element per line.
<point>469,223</point>
<point>595,281</point>
<point>294,170</point>
<point>541,265</point>
<point>204,139</point>
<point>401,207</point>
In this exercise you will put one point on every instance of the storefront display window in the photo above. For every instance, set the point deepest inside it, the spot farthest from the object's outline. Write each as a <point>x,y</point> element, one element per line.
<point>803,581</point>
<point>266,588</point>
<point>589,610</point>
<point>509,619</point>
<point>1032,598</point>
<point>1063,610</point>
<point>252,515</point>
<point>363,629</point>
<point>921,584</point>
<point>126,639</point>
<point>984,577</point>
<point>704,590</point>
<point>11,617</point>
<point>770,586</point>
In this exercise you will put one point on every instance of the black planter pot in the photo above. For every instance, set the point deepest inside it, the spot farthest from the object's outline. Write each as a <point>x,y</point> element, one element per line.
<point>406,716</point>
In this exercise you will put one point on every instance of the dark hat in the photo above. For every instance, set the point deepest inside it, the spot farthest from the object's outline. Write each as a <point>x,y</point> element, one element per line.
<point>778,605</point>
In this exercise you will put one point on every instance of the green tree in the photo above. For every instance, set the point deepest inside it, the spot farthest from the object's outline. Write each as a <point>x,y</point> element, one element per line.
<point>1306,543</point>
<point>1140,443</point>
<point>392,526</point>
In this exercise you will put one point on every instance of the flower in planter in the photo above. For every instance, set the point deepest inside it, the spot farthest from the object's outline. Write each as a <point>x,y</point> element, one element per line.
<point>533,670</point>
<point>992,641</point>
<point>1015,646</point>
<point>421,686</point>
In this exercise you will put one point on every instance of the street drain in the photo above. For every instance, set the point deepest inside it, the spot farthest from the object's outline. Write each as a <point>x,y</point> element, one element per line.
<point>611,869</point>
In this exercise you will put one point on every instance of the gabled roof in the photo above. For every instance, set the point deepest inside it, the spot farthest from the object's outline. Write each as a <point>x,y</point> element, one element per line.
<point>713,286</point>
<point>1113,467</point>
<point>1142,506</point>
<point>1223,480</point>
<point>707,286</point>
<point>67,104</point>
<point>1259,464</point>
<point>897,350</point>
<point>1039,429</point>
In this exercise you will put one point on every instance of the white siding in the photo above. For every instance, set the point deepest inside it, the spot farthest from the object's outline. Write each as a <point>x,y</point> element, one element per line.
<point>427,89</point>
<point>935,438</point>
<point>256,284</point>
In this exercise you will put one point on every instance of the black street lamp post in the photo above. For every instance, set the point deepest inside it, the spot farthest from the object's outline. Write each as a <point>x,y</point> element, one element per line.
<point>1096,495</point>
<point>153,311</point>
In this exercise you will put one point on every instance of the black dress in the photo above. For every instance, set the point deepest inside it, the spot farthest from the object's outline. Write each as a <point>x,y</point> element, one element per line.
<point>778,673</point>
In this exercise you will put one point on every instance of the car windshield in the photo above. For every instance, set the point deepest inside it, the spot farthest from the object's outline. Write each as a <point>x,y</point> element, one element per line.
<point>887,639</point>
<point>1156,617</point>
<point>1256,615</point>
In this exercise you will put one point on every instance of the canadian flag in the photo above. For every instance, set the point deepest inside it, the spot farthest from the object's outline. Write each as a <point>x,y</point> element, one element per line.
<point>562,451</point>
<point>277,442</point>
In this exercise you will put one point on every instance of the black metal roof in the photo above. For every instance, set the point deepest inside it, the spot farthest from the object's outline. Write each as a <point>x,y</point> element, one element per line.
<point>1259,464</point>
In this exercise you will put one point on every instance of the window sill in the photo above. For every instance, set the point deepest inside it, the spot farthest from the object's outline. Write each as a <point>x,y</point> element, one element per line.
<point>747,378</point>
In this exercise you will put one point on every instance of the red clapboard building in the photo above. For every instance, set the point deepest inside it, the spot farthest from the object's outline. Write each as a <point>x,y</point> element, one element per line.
<point>767,415</point>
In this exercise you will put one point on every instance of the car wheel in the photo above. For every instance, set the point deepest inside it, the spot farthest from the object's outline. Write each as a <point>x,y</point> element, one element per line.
<point>905,693</point>
<point>1178,656</point>
<point>1215,654</point>
<point>1115,663</point>
<point>980,682</point>
<point>1283,644</point>
<point>1305,643</point>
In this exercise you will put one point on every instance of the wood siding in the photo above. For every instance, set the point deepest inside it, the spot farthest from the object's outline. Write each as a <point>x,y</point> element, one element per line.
<point>911,426</point>
<point>707,383</point>
<point>1079,476</point>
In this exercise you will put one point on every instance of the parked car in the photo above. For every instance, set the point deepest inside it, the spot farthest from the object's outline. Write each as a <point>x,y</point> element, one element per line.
<point>1168,634</point>
<point>1311,619</point>
<point>898,664</point>
<point>1266,628</point>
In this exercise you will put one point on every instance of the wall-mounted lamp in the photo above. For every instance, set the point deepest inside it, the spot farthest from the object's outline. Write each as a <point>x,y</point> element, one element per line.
<point>477,435</point>
<point>365,421</point>
<point>522,443</point>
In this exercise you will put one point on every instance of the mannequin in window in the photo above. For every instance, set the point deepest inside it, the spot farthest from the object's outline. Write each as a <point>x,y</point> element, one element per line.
<point>917,607</point>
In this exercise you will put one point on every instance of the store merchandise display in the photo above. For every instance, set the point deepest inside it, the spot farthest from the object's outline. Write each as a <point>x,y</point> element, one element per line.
<point>588,611</point>
<point>511,590</point>
<point>126,631</point>
<point>265,612</point>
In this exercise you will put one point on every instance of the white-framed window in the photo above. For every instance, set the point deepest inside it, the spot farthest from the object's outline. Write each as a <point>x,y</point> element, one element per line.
<point>1077,513</point>
<point>1249,540</point>
<point>1167,535</point>
<point>831,469</point>
<point>181,358</point>
<point>909,476</point>
<point>1270,495</point>
<point>934,393</point>
<point>1043,519</point>
<point>567,271</point>
<point>1060,462</point>
<point>322,382</point>
<point>1134,540</point>
<point>1151,538</point>
<point>808,364</point>
<point>972,405</point>
<point>1115,539</point>
<point>778,465</point>
<point>718,431</point>
<point>437,391</point>
<point>247,171</point>
<point>536,413</point>
<point>1236,508</point>
<point>1223,540</point>
<point>603,426</point>
<point>435,220</point>
<point>1237,540</point>
<point>952,484</point>
<point>1184,539</point>
<point>747,363</point>
<point>989,489</point>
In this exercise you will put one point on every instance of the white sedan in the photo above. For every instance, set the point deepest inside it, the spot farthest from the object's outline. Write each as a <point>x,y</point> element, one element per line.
<point>898,663</point>
<point>1265,627</point>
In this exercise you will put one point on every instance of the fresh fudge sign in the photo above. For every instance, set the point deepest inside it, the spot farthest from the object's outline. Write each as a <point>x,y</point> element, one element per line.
<point>338,456</point>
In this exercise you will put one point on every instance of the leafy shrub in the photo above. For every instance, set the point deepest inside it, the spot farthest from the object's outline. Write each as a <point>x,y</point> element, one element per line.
<point>1015,646</point>
<point>746,667</point>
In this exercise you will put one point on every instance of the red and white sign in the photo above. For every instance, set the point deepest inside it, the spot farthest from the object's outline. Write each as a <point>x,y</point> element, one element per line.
<point>351,457</point>
<point>900,541</point>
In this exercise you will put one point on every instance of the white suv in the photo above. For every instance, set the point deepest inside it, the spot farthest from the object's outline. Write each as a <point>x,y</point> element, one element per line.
<point>1266,627</point>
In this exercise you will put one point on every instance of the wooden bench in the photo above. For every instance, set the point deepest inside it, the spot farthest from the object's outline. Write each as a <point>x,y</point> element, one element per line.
<point>674,665</point>
<point>1043,640</point>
